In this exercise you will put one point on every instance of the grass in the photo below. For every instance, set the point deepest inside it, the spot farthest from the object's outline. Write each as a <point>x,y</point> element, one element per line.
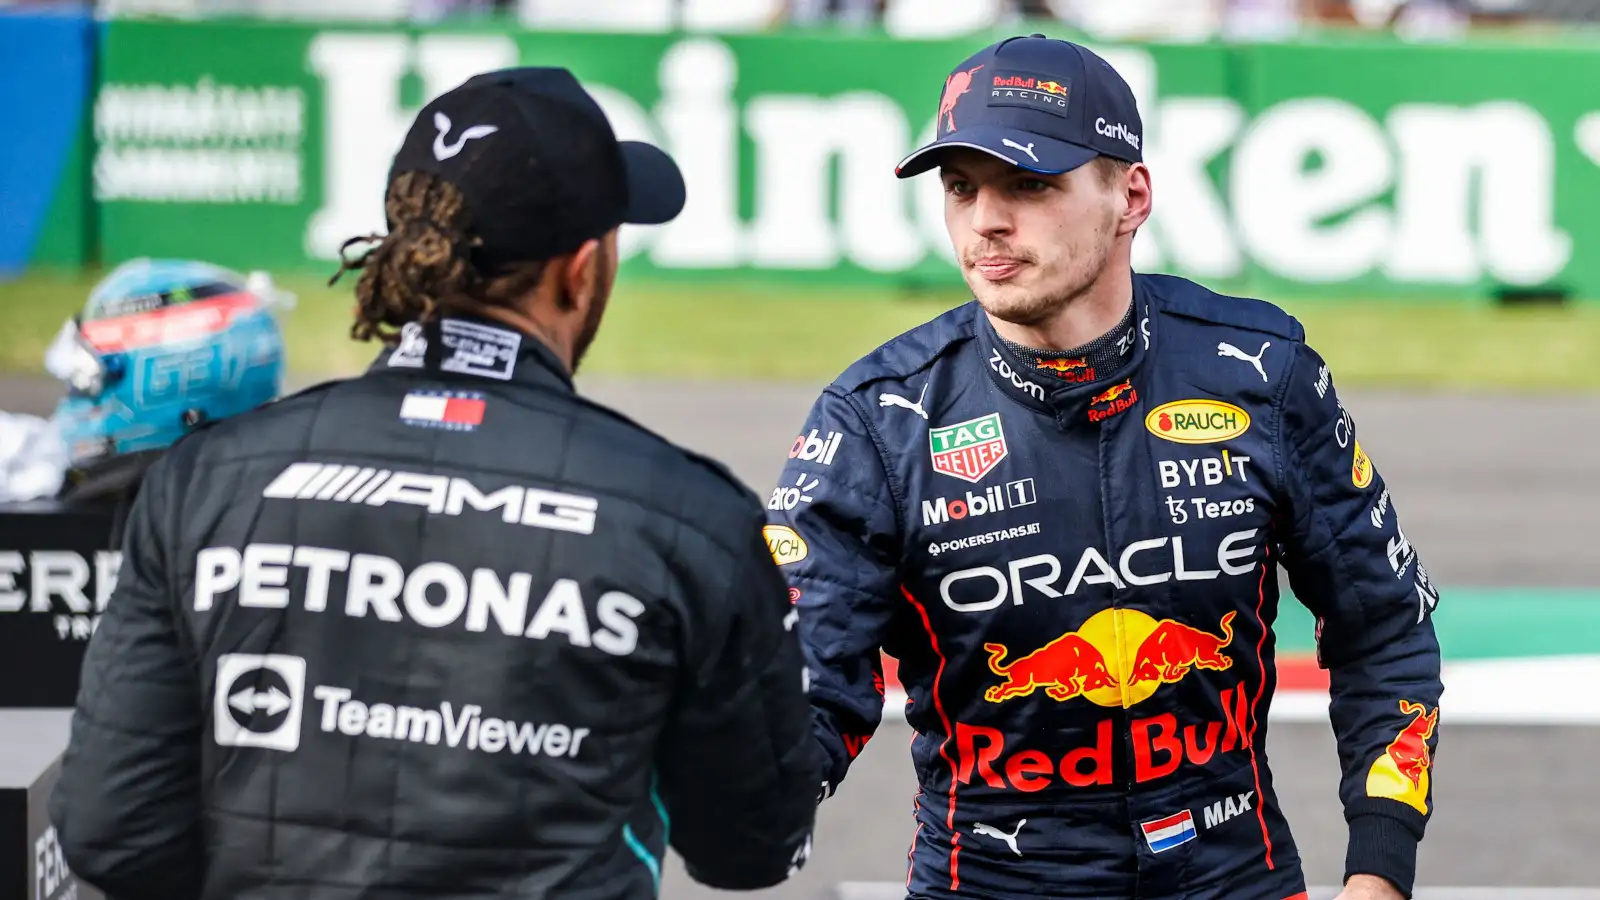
<point>757,332</point>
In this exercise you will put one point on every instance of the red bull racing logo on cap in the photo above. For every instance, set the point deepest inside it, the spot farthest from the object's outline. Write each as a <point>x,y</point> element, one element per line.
<point>1118,658</point>
<point>1028,89</point>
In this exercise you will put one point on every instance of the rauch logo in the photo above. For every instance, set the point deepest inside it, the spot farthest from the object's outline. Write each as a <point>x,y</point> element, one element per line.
<point>1197,421</point>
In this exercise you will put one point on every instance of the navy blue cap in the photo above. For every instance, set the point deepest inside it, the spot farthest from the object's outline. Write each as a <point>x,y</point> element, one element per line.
<point>539,165</point>
<point>1045,105</point>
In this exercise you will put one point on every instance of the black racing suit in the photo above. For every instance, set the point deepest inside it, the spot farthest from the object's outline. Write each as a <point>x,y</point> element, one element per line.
<point>443,630</point>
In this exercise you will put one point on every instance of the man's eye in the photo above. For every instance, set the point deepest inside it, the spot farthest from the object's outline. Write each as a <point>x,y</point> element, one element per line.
<point>1031,185</point>
<point>958,187</point>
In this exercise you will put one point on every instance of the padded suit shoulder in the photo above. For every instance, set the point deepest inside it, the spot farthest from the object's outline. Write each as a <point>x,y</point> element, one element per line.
<point>1181,297</point>
<point>911,351</point>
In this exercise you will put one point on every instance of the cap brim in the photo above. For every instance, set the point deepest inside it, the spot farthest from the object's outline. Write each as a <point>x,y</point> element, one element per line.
<point>656,191</point>
<point>1022,149</point>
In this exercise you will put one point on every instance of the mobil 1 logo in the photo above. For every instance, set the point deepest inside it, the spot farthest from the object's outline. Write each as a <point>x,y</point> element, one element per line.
<point>998,498</point>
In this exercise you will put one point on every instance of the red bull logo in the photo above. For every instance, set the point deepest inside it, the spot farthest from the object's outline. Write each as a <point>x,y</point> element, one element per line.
<point>1086,663</point>
<point>1053,87</point>
<point>1120,398</point>
<point>1075,370</point>
<point>1174,648</point>
<point>1065,668</point>
<point>1401,773</point>
<point>957,84</point>
<point>1160,746</point>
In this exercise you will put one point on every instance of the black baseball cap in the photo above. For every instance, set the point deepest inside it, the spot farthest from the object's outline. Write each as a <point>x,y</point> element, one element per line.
<point>1041,104</point>
<point>538,164</point>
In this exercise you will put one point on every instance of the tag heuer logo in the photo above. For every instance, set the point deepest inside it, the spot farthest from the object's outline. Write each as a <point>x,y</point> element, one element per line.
<point>968,450</point>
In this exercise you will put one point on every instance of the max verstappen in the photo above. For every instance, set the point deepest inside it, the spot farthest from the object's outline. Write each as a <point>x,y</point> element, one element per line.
<point>1073,553</point>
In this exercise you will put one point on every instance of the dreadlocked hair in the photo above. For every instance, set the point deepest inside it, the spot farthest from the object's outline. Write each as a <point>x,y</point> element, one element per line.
<point>424,263</point>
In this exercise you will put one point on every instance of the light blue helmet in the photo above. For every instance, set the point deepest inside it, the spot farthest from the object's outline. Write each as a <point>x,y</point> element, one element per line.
<point>161,347</point>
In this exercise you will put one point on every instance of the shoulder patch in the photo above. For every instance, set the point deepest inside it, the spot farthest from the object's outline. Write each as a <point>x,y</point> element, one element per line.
<point>1181,297</point>
<point>913,350</point>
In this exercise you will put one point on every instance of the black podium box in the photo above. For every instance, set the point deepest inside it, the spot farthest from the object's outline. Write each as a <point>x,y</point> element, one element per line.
<point>57,569</point>
<point>31,866</point>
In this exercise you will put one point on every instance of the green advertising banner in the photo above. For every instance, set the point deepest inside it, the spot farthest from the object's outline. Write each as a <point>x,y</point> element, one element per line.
<point>1350,169</point>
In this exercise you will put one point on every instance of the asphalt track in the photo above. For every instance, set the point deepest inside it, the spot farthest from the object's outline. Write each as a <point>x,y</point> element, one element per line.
<point>1494,491</point>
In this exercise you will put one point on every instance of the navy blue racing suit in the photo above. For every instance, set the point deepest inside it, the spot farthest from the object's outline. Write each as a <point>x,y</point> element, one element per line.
<point>1078,578</point>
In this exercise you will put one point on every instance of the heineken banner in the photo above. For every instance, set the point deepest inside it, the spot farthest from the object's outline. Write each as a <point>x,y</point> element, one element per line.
<point>1352,168</point>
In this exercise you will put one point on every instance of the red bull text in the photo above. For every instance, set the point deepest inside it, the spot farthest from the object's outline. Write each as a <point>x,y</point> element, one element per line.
<point>1160,746</point>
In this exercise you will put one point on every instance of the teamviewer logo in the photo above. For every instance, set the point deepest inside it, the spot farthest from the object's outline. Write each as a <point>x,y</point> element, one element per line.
<point>258,700</point>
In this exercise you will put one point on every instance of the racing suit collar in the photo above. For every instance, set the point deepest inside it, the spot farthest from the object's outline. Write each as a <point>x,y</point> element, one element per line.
<point>474,347</point>
<point>1072,405</point>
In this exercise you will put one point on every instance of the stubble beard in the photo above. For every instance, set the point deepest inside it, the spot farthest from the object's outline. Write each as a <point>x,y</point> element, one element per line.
<point>1084,264</point>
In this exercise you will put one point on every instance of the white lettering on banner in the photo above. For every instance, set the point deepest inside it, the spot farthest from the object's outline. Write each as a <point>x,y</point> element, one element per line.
<point>697,79</point>
<point>1231,560</point>
<point>1473,186</point>
<point>206,143</point>
<point>363,123</point>
<point>1210,471</point>
<point>1282,208</point>
<point>439,494</point>
<point>433,595</point>
<point>1191,228</point>
<point>1324,381</point>
<point>50,869</point>
<point>1283,214</point>
<point>58,581</point>
<point>456,727</point>
<point>800,140</point>
<point>1474,195</point>
<point>1017,381</point>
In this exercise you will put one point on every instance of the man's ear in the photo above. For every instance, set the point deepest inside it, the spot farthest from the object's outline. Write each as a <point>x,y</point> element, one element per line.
<point>581,275</point>
<point>1141,199</point>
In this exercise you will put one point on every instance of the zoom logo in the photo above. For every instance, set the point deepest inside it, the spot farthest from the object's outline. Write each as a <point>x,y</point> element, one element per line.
<point>258,701</point>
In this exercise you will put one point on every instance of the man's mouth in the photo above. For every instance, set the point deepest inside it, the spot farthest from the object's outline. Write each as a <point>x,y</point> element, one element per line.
<point>997,268</point>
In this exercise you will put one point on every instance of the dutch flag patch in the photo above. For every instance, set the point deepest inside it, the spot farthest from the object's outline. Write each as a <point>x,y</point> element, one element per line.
<point>1164,834</point>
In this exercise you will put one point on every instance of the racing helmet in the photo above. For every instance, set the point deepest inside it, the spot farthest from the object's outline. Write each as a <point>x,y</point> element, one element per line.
<point>161,347</point>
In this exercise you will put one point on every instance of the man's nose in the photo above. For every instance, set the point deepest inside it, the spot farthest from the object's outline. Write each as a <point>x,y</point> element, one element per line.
<point>991,212</point>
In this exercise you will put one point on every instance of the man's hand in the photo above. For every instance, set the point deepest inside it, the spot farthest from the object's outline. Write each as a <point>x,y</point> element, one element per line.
<point>1369,887</point>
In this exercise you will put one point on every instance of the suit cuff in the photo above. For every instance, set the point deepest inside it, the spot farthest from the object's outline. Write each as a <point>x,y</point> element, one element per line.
<point>1383,846</point>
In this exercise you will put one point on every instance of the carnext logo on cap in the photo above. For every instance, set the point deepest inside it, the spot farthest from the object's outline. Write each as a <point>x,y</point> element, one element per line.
<point>1119,131</point>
